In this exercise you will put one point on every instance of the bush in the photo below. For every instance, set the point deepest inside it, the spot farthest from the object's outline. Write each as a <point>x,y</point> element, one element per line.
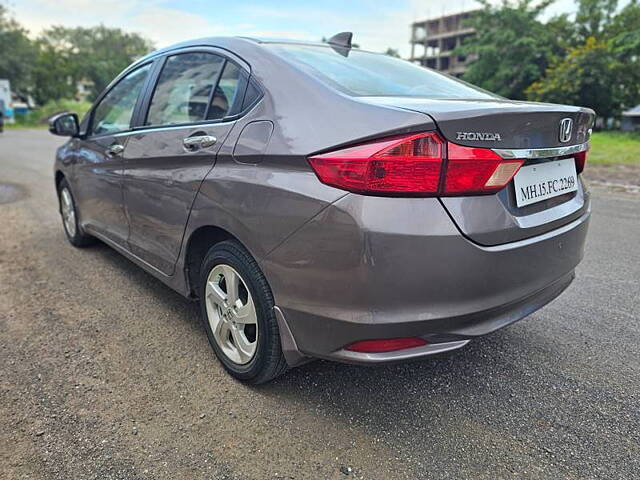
<point>41,115</point>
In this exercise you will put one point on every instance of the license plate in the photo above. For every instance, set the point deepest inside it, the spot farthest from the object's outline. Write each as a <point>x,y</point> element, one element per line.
<point>535,183</point>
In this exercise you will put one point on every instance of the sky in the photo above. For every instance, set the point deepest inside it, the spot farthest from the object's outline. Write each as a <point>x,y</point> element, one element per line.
<point>376,24</point>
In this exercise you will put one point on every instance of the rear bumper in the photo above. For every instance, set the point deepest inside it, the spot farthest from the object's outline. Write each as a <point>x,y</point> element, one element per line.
<point>368,268</point>
<point>443,335</point>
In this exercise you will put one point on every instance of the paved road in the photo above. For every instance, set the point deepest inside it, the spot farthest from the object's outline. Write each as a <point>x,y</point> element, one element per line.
<point>107,374</point>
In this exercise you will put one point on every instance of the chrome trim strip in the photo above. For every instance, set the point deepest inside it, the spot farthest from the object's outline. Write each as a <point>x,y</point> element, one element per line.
<point>406,354</point>
<point>168,128</point>
<point>541,152</point>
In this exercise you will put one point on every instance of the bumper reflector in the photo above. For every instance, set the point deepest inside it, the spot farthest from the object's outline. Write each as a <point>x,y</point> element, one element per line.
<point>386,345</point>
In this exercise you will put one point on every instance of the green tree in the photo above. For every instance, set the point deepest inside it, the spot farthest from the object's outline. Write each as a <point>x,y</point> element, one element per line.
<point>392,52</point>
<point>603,70</point>
<point>96,54</point>
<point>593,18</point>
<point>586,76</point>
<point>55,73</point>
<point>512,47</point>
<point>624,43</point>
<point>563,31</point>
<point>17,54</point>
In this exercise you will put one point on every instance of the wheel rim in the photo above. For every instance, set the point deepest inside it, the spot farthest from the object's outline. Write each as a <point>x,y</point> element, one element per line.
<point>68,212</point>
<point>232,314</point>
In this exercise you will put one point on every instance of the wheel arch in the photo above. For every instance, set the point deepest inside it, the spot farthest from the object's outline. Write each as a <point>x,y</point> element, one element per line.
<point>59,176</point>
<point>198,244</point>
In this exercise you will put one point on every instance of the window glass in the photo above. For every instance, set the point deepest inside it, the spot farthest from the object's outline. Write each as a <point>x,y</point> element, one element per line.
<point>252,94</point>
<point>225,94</point>
<point>113,113</point>
<point>369,74</point>
<point>184,88</point>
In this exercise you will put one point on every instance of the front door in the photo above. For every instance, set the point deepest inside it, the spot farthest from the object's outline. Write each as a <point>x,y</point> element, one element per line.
<point>168,157</point>
<point>99,165</point>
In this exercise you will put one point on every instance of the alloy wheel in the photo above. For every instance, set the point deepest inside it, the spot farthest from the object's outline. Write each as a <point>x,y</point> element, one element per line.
<point>68,212</point>
<point>231,314</point>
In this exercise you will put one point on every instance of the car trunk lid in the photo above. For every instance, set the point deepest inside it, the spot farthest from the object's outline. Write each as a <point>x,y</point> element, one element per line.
<point>514,130</point>
<point>502,124</point>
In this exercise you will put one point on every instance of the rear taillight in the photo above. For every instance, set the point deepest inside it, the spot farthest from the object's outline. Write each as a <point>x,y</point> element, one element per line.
<point>581,160</point>
<point>477,170</point>
<point>409,164</point>
<point>419,164</point>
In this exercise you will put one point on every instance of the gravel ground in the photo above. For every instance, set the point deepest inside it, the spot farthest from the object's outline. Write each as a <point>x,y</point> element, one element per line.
<point>621,178</point>
<point>107,374</point>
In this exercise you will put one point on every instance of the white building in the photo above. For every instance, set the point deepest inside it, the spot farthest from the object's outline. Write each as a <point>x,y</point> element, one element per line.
<point>631,120</point>
<point>5,100</point>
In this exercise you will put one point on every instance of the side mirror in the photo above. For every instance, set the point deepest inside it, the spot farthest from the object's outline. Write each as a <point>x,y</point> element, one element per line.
<point>65,125</point>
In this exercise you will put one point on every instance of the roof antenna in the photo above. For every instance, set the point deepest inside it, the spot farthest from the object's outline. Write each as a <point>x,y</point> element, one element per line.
<point>341,43</point>
<point>342,39</point>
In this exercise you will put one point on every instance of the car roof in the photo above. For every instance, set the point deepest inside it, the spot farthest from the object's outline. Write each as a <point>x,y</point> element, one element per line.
<point>231,44</point>
<point>226,42</point>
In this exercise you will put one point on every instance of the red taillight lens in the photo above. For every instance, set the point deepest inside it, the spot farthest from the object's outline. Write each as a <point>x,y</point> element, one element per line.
<point>413,165</point>
<point>387,345</point>
<point>581,160</point>
<point>408,164</point>
<point>477,170</point>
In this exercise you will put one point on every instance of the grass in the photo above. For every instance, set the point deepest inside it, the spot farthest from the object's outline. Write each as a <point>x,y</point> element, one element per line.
<point>608,148</point>
<point>20,126</point>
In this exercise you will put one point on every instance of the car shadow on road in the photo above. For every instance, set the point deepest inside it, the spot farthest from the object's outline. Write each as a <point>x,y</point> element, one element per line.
<point>438,374</point>
<point>161,293</point>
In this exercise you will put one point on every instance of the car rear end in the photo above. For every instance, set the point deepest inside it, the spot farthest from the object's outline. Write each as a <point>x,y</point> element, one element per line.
<point>442,235</point>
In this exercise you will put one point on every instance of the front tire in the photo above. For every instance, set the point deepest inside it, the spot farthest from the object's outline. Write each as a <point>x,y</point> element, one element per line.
<point>69,214</point>
<point>237,312</point>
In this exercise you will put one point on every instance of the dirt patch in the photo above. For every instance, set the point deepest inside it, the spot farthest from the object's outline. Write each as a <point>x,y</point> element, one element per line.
<point>12,192</point>
<point>618,177</point>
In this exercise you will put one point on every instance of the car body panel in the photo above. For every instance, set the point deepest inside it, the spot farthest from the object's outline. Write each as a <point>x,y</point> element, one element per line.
<point>520,125</point>
<point>253,141</point>
<point>160,182</point>
<point>261,204</point>
<point>496,219</point>
<point>97,187</point>
<point>406,264</point>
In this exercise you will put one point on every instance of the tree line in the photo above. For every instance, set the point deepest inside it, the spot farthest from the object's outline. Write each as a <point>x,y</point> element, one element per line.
<point>591,59</point>
<point>50,67</point>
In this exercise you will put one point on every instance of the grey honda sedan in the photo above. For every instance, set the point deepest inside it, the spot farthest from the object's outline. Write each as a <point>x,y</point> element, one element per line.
<point>322,201</point>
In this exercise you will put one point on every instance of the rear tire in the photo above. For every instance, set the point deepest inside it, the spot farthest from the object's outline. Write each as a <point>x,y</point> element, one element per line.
<point>239,318</point>
<point>69,213</point>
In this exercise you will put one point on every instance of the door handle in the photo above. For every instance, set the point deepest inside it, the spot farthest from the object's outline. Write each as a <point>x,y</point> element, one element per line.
<point>199,141</point>
<point>114,150</point>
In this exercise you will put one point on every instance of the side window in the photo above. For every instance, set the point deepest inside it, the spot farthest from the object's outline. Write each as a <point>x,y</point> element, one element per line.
<point>251,96</point>
<point>113,113</point>
<point>184,89</point>
<point>225,93</point>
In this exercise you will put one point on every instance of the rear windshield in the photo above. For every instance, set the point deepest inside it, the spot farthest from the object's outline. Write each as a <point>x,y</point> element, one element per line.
<point>363,73</point>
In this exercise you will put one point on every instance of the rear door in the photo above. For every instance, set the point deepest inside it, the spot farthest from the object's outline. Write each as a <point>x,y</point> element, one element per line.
<point>97,185</point>
<point>184,122</point>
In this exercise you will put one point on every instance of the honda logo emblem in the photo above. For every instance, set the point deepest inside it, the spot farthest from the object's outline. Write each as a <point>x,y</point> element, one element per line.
<point>566,127</point>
